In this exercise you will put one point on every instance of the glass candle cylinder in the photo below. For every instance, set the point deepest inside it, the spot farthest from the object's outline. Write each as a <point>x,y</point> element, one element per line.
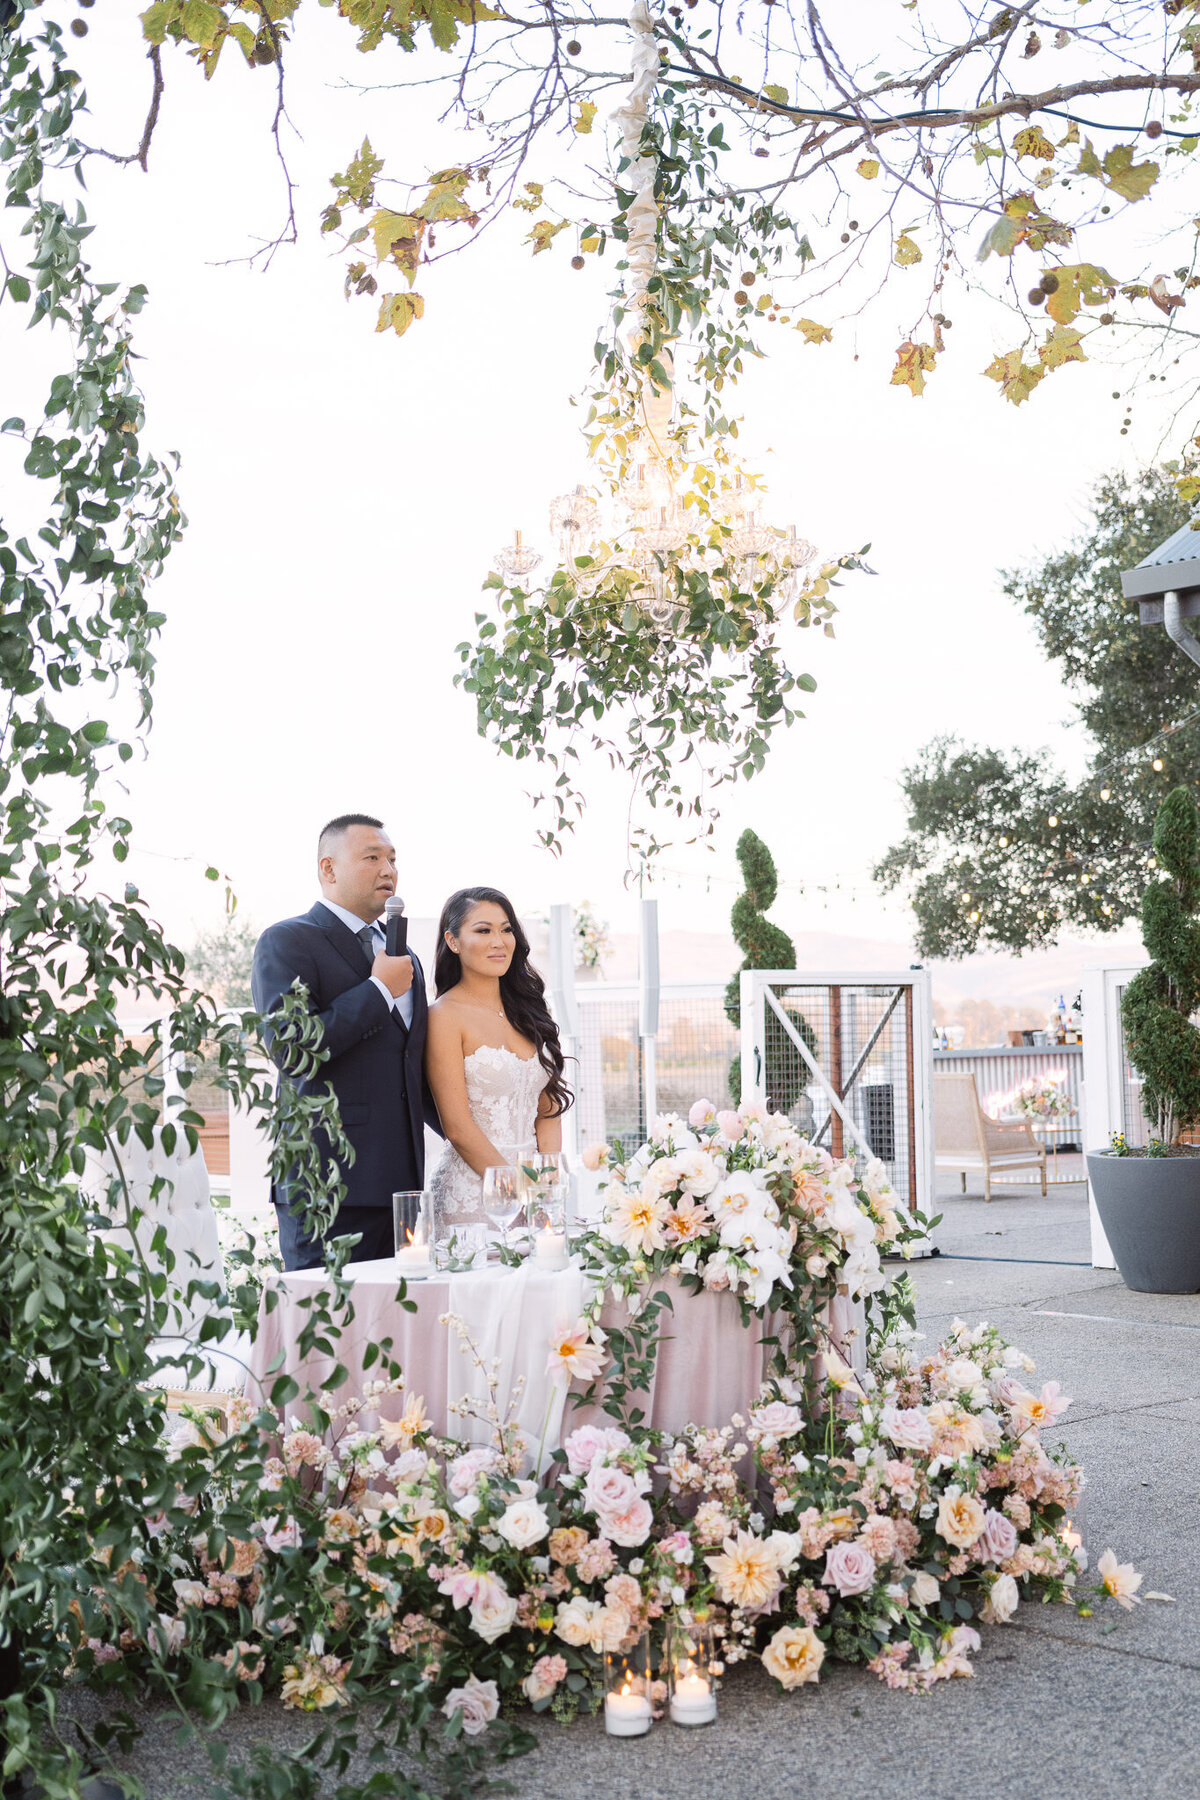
<point>627,1704</point>
<point>410,1218</point>
<point>691,1678</point>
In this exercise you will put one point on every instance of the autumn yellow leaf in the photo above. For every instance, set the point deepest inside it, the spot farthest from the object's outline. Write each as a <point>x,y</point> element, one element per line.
<point>444,201</point>
<point>778,94</point>
<point>868,168</point>
<point>545,232</point>
<point>1078,284</point>
<point>912,362</point>
<point>1123,176</point>
<point>1017,378</point>
<point>398,237</point>
<point>587,113</point>
<point>1118,171</point>
<point>1062,345</point>
<point>397,312</point>
<point>1032,141</point>
<point>907,250</point>
<point>814,333</point>
<point>533,189</point>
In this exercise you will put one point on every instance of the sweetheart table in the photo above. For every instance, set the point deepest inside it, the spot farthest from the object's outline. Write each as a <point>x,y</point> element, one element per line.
<point>708,1366</point>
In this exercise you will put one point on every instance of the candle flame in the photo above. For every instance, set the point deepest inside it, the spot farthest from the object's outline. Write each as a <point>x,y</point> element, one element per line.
<point>626,1690</point>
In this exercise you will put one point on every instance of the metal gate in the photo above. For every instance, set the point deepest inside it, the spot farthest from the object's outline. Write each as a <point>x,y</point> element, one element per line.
<point>849,1058</point>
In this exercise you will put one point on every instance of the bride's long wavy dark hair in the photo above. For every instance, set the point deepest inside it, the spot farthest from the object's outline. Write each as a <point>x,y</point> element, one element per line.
<point>522,990</point>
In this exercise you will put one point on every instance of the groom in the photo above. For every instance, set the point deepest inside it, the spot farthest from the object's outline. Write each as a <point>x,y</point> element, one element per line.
<point>373,1010</point>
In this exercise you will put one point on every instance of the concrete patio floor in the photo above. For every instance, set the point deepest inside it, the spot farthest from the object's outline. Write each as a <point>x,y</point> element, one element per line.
<point>1106,1708</point>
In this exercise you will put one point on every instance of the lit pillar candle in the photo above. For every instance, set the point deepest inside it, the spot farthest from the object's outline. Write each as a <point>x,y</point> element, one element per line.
<point>412,1259</point>
<point>693,1701</point>
<point>626,1713</point>
<point>550,1249</point>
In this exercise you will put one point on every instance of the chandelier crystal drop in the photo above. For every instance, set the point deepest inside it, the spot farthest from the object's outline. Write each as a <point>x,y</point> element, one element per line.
<point>517,560</point>
<point>574,523</point>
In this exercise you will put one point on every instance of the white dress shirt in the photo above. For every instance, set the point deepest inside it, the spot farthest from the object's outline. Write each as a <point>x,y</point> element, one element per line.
<point>402,1003</point>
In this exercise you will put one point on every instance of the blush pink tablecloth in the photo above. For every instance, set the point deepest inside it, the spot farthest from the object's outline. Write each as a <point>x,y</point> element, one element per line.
<point>708,1364</point>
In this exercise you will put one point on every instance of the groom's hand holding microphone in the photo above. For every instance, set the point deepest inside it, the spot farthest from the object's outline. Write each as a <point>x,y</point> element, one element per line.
<point>393,965</point>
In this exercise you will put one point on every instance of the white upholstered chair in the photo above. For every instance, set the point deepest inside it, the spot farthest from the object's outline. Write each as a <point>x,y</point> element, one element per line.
<point>967,1139</point>
<point>183,1208</point>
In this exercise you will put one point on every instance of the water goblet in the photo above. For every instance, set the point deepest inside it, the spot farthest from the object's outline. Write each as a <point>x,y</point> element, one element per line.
<point>502,1197</point>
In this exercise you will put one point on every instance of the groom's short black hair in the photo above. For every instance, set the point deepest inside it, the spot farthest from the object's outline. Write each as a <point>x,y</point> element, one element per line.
<point>342,823</point>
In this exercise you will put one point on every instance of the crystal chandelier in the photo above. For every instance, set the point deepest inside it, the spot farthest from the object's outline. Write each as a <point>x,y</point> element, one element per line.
<point>650,548</point>
<point>647,539</point>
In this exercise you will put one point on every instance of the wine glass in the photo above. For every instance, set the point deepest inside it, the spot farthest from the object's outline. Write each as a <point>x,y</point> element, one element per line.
<point>502,1197</point>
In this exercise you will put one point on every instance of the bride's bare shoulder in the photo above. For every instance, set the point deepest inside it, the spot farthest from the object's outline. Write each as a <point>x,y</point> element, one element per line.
<point>445,1018</point>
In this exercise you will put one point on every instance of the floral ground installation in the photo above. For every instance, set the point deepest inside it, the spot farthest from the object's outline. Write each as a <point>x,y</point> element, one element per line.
<point>873,1518</point>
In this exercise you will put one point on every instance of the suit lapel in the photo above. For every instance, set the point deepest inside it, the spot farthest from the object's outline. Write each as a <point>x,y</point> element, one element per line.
<point>342,939</point>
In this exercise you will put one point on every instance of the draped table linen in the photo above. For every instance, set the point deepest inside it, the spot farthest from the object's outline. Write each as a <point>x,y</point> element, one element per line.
<point>708,1364</point>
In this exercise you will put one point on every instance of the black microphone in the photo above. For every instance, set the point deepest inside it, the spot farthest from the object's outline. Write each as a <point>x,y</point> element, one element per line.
<point>395,928</point>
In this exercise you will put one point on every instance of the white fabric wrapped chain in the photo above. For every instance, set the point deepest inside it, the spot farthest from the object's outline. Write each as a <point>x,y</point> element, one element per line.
<point>642,217</point>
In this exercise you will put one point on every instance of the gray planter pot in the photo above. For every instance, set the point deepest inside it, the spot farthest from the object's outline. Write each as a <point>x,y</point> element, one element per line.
<point>1150,1209</point>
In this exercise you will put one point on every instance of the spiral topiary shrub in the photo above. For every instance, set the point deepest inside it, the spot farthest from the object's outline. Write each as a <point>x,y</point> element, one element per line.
<point>1158,1004</point>
<point>765,946</point>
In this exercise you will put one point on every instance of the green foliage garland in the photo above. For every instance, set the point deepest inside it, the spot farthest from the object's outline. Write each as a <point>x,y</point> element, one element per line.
<point>1159,1002</point>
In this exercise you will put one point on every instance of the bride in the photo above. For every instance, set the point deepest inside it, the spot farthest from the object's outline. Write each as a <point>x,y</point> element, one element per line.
<point>492,1054</point>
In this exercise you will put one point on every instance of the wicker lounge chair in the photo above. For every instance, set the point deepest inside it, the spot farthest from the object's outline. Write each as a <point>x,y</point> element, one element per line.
<point>965,1138</point>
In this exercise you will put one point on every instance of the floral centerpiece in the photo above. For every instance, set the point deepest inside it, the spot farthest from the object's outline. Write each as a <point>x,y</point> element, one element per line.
<point>877,1517</point>
<point>591,938</point>
<point>1041,1099</point>
<point>739,1201</point>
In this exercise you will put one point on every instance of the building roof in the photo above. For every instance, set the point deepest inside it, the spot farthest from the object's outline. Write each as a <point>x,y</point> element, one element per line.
<point>1173,566</point>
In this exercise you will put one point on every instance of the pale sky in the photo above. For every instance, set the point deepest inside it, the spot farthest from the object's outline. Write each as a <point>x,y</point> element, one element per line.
<point>346,491</point>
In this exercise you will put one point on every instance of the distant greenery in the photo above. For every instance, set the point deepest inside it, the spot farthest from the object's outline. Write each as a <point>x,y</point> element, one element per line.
<point>1001,849</point>
<point>1159,1002</point>
<point>220,962</point>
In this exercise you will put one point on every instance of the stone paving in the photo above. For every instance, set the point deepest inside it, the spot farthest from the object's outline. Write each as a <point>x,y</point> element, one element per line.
<point>1106,1708</point>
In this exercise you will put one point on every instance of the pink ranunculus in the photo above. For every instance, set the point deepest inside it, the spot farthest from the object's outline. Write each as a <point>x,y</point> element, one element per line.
<point>588,1442</point>
<point>730,1126</point>
<point>465,1470</point>
<point>630,1527</point>
<point>849,1568</point>
<point>594,1156</point>
<point>998,1539</point>
<point>608,1490</point>
<point>907,1426</point>
<point>702,1112</point>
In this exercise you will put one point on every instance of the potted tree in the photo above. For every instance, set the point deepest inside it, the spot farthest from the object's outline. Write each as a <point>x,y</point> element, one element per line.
<point>1148,1197</point>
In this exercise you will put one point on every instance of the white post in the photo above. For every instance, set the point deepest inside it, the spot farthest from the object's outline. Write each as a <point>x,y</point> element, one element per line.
<point>753,1036</point>
<point>922,1096</point>
<point>648,994</point>
<point>565,1007</point>
<point>1103,1079</point>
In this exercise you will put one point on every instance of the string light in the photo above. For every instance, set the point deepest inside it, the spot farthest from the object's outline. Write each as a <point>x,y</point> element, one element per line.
<point>1157,763</point>
<point>1053,819</point>
<point>1105,794</point>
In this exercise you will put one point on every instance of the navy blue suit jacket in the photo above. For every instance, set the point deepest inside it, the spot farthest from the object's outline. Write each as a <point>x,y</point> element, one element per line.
<point>375,1066</point>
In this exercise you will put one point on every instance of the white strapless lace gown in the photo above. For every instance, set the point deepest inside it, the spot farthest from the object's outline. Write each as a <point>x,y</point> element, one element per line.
<point>503,1090</point>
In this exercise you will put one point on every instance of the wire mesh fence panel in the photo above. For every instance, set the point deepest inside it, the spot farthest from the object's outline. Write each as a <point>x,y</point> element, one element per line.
<point>696,1048</point>
<point>610,1068</point>
<point>860,1037</point>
